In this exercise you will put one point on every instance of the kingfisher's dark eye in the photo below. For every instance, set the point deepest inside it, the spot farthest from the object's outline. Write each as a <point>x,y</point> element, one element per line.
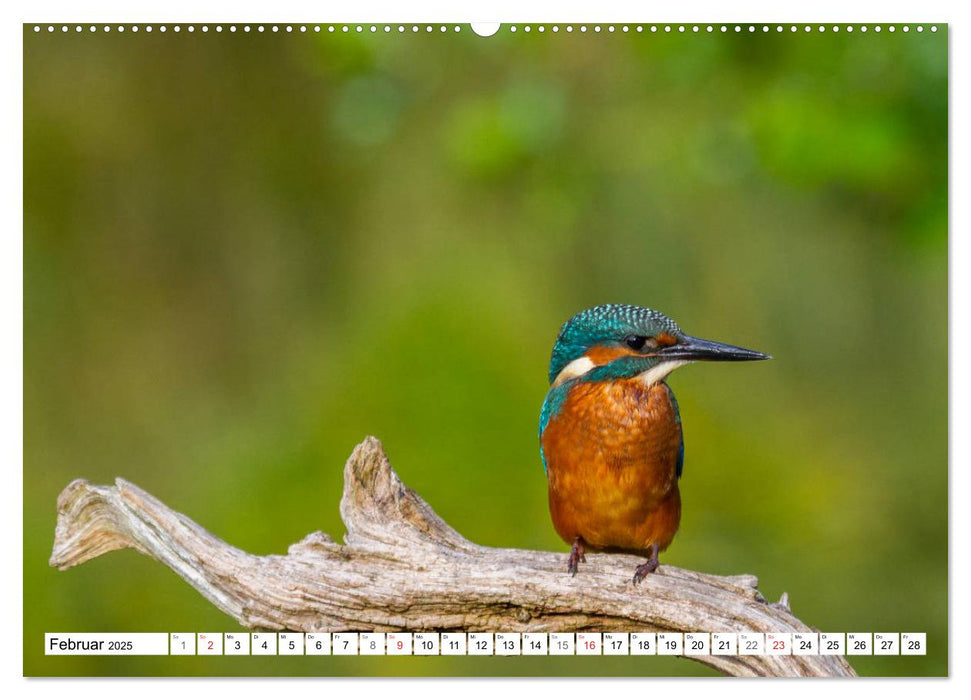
<point>635,342</point>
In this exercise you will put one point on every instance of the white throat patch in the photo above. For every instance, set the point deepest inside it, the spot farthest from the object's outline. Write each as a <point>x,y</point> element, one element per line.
<point>584,364</point>
<point>658,372</point>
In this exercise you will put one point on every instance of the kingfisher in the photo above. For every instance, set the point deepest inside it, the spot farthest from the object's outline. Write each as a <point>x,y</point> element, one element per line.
<point>610,430</point>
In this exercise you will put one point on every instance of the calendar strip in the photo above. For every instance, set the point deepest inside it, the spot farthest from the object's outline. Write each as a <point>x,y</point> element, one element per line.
<point>487,644</point>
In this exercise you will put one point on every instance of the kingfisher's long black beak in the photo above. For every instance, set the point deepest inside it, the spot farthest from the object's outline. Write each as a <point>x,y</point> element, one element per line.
<point>688,348</point>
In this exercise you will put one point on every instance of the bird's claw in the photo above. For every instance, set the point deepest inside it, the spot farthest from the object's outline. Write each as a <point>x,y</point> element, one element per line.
<point>576,556</point>
<point>648,567</point>
<point>641,572</point>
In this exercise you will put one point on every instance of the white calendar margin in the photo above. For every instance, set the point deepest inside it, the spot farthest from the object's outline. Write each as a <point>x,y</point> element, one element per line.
<point>11,649</point>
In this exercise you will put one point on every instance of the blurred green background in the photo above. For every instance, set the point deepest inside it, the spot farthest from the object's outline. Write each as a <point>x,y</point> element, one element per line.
<point>245,252</point>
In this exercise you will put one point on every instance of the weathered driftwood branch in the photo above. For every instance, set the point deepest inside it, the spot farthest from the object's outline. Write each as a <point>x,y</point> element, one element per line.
<point>403,568</point>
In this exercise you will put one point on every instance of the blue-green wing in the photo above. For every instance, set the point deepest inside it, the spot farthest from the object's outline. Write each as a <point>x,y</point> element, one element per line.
<point>551,406</point>
<point>677,418</point>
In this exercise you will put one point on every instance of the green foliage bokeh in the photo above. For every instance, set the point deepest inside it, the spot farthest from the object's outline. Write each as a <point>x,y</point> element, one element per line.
<point>245,252</point>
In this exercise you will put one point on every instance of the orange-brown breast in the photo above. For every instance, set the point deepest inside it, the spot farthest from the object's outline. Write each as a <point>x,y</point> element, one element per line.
<point>611,453</point>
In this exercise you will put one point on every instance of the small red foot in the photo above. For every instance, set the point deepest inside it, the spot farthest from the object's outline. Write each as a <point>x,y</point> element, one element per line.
<point>576,556</point>
<point>648,567</point>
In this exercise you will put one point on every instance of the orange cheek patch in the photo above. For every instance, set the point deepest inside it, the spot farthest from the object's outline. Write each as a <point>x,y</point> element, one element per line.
<point>602,355</point>
<point>665,339</point>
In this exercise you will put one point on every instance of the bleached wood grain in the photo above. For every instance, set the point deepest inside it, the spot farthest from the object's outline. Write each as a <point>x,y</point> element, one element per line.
<point>401,567</point>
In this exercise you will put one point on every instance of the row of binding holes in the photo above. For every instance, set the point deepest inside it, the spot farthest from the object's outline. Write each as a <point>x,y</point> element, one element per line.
<point>708,28</point>
<point>414,28</point>
<point>303,28</point>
